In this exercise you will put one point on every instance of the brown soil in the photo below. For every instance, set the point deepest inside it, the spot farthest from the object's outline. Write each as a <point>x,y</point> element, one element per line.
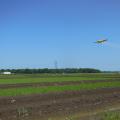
<point>5,86</point>
<point>56,105</point>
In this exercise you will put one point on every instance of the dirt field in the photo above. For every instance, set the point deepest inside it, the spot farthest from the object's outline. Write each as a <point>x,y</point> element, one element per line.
<point>58,106</point>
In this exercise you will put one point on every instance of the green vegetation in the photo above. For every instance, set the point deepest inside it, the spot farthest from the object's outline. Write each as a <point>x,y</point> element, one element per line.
<point>36,78</point>
<point>35,90</point>
<point>111,116</point>
<point>46,70</point>
<point>54,79</point>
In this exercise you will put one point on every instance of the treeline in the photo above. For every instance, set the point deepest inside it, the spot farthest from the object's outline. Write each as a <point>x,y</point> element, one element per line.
<point>46,70</point>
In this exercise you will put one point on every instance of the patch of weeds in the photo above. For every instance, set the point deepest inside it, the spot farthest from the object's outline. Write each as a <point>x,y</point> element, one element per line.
<point>111,116</point>
<point>23,112</point>
<point>68,118</point>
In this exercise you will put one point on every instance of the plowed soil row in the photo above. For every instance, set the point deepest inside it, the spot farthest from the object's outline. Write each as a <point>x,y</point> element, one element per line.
<point>51,105</point>
<point>5,86</point>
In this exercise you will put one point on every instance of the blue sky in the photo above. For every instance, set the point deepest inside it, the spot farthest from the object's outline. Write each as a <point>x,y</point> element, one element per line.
<point>35,33</point>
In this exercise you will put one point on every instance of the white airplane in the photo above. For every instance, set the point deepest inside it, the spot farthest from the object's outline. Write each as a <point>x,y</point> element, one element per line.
<point>101,41</point>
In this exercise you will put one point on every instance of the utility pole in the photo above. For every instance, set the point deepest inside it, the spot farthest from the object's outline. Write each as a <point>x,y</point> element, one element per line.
<point>56,65</point>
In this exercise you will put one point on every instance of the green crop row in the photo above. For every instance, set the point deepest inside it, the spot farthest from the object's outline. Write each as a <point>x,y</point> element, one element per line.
<point>36,90</point>
<point>14,76</point>
<point>55,79</point>
<point>50,79</point>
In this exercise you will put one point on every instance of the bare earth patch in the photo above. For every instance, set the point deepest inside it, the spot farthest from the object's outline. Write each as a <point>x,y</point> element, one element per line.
<point>57,105</point>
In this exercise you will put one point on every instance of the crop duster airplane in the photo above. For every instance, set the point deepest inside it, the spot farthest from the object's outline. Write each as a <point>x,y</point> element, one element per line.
<point>101,41</point>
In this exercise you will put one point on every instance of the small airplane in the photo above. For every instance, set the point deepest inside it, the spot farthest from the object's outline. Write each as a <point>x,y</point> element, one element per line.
<point>101,41</point>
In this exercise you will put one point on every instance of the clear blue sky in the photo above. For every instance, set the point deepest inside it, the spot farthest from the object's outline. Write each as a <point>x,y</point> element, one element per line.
<point>35,33</point>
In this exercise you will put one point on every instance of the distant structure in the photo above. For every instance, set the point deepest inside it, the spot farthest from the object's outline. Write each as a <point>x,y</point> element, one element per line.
<point>6,73</point>
<point>56,64</point>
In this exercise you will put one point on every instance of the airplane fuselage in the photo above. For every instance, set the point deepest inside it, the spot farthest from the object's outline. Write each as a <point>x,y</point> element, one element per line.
<point>100,41</point>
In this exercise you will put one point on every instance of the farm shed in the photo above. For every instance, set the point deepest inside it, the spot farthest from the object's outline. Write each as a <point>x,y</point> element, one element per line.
<point>7,73</point>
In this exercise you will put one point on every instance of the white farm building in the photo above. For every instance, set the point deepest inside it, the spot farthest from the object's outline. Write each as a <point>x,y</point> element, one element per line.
<point>7,73</point>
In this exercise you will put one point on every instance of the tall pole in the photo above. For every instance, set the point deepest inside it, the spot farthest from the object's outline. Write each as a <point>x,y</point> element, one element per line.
<point>56,64</point>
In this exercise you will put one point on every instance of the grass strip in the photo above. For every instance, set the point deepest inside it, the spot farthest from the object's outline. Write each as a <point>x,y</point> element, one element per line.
<point>36,90</point>
<point>49,79</point>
